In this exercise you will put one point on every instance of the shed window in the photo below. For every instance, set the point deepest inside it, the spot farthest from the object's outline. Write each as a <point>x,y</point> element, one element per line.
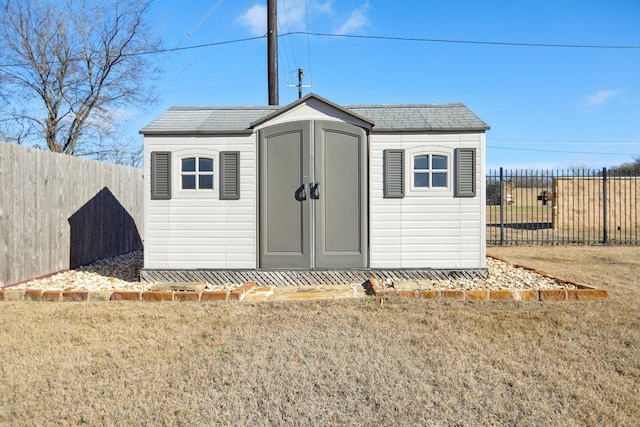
<point>196,173</point>
<point>430,171</point>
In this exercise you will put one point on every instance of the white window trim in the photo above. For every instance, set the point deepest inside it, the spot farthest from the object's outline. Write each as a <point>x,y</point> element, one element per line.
<point>185,193</point>
<point>430,190</point>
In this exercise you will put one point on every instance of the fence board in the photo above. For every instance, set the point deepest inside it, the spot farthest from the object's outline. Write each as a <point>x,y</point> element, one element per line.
<point>6,187</point>
<point>58,211</point>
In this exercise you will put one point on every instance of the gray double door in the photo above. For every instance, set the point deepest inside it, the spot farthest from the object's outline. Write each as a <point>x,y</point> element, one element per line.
<point>313,195</point>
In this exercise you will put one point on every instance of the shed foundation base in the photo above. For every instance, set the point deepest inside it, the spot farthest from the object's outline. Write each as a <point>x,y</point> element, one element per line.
<point>306,277</point>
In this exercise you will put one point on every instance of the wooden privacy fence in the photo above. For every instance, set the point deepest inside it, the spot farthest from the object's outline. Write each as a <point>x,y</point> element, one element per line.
<point>562,207</point>
<point>59,211</point>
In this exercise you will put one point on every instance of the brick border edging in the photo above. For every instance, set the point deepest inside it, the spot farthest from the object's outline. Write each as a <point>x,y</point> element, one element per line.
<point>71,296</point>
<point>591,294</point>
<point>581,293</point>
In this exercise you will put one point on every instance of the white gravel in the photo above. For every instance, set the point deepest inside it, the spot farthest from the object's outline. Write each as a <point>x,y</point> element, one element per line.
<point>502,275</point>
<point>122,273</point>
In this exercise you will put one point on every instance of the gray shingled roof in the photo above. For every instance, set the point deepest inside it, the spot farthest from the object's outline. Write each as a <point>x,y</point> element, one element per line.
<point>206,120</point>
<point>420,117</point>
<point>386,118</point>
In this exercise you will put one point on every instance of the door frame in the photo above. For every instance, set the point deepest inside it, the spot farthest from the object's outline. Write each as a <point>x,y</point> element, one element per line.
<point>311,257</point>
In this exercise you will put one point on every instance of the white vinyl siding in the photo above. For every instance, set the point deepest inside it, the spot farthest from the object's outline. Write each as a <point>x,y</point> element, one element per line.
<point>196,229</point>
<point>429,227</point>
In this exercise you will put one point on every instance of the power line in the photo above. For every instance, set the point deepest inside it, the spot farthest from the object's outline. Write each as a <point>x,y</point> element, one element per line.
<point>202,20</point>
<point>157,51</point>
<point>480,42</point>
<point>388,38</point>
<point>569,141</point>
<point>175,49</point>
<point>286,56</point>
<point>306,18</point>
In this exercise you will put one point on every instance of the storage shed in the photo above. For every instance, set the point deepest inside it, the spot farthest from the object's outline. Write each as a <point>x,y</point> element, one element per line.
<point>314,186</point>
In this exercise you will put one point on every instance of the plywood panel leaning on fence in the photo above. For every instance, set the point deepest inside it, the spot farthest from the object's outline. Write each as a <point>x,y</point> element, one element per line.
<point>579,205</point>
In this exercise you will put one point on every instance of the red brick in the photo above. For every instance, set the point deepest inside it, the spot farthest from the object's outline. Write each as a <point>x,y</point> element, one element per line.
<point>586,294</point>
<point>429,294</point>
<point>13,295</point>
<point>186,296</point>
<point>453,294</point>
<point>214,296</point>
<point>236,294</point>
<point>33,295</point>
<point>384,292</point>
<point>157,296</point>
<point>54,296</point>
<point>100,295</point>
<point>526,295</point>
<point>408,293</point>
<point>75,296</point>
<point>572,294</point>
<point>553,295</point>
<point>125,296</point>
<point>477,295</point>
<point>500,295</point>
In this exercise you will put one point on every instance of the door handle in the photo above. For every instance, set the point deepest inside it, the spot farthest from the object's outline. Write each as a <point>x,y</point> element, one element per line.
<point>314,191</point>
<point>301,193</point>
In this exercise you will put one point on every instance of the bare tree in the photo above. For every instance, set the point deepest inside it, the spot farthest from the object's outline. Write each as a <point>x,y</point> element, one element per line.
<point>630,168</point>
<point>70,68</point>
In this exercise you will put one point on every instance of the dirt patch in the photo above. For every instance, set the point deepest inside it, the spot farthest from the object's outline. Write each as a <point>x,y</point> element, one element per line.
<point>340,362</point>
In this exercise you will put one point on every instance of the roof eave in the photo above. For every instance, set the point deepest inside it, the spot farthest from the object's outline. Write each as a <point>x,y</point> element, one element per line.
<point>197,132</point>
<point>431,129</point>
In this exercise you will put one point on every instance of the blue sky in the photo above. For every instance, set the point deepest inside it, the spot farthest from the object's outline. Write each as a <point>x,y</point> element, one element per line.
<point>548,107</point>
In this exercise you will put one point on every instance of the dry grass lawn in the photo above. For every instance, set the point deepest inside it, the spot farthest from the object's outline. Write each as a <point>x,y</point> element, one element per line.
<point>350,362</point>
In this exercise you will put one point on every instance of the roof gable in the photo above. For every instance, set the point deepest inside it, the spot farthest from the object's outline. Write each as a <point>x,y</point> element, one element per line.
<point>308,99</point>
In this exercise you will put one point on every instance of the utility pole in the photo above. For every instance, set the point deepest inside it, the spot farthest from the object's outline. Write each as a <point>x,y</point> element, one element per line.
<point>300,85</point>
<point>272,50</point>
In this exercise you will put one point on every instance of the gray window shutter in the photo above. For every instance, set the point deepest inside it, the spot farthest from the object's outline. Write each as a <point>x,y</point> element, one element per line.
<point>393,174</point>
<point>465,185</point>
<point>160,175</point>
<point>229,175</point>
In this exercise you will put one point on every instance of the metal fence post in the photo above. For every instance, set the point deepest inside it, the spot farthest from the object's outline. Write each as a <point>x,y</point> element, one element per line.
<point>605,237</point>
<point>501,207</point>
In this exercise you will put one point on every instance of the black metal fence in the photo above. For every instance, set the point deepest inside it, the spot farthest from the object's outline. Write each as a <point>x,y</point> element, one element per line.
<point>562,207</point>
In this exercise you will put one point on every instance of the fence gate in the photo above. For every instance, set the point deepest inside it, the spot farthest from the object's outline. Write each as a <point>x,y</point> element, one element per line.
<point>313,192</point>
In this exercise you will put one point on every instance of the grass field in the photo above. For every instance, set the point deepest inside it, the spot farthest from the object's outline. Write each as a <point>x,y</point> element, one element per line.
<point>349,362</point>
<point>531,223</point>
